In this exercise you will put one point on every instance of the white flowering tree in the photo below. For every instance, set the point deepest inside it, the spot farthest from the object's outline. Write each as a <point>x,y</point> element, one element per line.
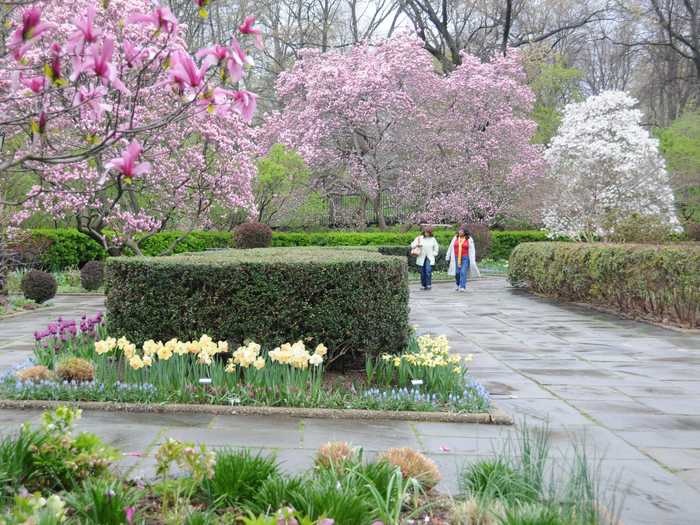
<point>603,166</point>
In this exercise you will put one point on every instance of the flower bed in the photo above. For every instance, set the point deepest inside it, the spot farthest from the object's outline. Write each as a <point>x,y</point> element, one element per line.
<point>80,362</point>
<point>354,302</point>
<point>53,475</point>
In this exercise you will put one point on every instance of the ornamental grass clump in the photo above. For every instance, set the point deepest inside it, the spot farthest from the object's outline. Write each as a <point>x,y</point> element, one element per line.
<point>414,465</point>
<point>75,369</point>
<point>34,374</point>
<point>335,455</point>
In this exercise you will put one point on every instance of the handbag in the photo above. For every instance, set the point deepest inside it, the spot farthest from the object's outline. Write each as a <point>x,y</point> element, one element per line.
<point>416,251</point>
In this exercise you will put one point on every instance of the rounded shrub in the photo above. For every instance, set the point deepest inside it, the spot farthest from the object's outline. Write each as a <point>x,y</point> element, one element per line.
<point>354,302</point>
<point>253,235</point>
<point>75,369</point>
<point>92,275</point>
<point>38,286</point>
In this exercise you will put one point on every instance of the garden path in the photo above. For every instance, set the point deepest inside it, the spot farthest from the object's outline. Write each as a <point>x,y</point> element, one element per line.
<point>632,390</point>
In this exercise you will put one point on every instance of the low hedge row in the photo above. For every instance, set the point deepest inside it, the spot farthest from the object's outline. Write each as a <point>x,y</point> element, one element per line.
<point>61,248</point>
<point>656,282</point>
<point>354,302</point>
<point>58,249</point>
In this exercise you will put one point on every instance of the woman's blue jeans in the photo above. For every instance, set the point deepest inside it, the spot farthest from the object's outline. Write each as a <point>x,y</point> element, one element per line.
<point>426,274</point>
<point>462,273</point>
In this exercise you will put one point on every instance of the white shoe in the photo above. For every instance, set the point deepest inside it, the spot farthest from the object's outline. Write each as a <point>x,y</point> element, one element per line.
<point>457,289</point>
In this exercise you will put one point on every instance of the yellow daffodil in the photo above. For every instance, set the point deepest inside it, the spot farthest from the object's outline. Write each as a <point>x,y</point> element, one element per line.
<point>316,359</point>
<point>147,360</point>
<point>259,363</point>
<point>321,350</point>
<point>136,362</point>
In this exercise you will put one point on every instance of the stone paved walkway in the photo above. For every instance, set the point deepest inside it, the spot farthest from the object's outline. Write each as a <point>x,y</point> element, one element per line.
<point>631,390</point>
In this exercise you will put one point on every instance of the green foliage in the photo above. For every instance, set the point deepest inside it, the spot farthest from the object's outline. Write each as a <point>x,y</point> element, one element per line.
<point>32,509</point>
<point>52,458</point>
<point>253,235</point>
<point>66,247</point>
<point>281,183</point>
<point>533,514</point>
<point>342,498</point>
<point>274,493</point>
<point>238,476</point>
<point>354,302</point>
<point>505,242</point>
<point>38,286</point>
<point>496,478</point>
<point>196,241</point>
<point>680,146</point>
<point>92,275</point>
<point>657,282</point>
<point>638,228</point>
<point>555,85</point>
<point>103,502</point>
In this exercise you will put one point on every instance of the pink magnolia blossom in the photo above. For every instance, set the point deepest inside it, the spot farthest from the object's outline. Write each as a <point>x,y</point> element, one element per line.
<point>127,164</point>
<point>184,72</point>
<point>247,29</point>
<point>53,68</point>
<point>92,97</point>
<point>244,104</point>
<point>31,29</point>
<point>36,84</point>
<point>216,99</point>
<point>86,33</point>
<point>233,58</point>
<point>99,62</point>
<point>161,17</point>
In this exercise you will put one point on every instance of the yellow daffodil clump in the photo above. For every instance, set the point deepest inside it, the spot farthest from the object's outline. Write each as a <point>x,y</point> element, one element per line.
<point>297,355</point>
<point>432,352</point>
<point>204,348</point>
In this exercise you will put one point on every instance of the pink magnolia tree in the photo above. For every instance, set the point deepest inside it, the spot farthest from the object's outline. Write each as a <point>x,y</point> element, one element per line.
<point>385,122</point>
<point>357,115</point>
<point>126,131</point>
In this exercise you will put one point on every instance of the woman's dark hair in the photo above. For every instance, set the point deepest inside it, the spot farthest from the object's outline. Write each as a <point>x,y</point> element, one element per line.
<point>427,231</point>
<point>464,229</point>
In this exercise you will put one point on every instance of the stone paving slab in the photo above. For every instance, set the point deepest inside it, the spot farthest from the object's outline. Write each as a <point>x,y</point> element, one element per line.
<point>629,390</point>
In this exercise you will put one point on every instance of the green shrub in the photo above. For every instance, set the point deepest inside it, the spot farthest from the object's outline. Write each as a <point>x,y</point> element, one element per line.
<point>238,476</point>
<point>17,453</point>
<point>92,275</point>
<point>657,282</point>
<point>638,228</point>
<point>354,302</point>
<point>39,286</point>
<point>253,235</point>
<point>65,247</point>
<point>197,241</point>
<point>504,242</point>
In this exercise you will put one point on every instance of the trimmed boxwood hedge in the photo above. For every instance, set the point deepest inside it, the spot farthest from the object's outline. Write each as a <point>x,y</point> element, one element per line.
<point>65,247</point>
<point>355,302</point>
<point>656,282</point>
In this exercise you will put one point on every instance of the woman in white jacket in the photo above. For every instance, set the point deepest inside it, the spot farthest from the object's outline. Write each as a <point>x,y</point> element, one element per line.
<point>425,248</point>
<point>462,258</point>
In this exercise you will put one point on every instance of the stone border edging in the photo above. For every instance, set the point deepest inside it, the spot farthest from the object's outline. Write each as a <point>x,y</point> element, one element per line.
<point>495,416</point>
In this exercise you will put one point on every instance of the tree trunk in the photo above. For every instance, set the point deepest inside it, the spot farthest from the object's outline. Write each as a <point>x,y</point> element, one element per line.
<point>379,212</point>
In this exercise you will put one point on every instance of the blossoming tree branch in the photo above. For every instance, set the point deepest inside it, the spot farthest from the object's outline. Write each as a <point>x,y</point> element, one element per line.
<point>125,130</point>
